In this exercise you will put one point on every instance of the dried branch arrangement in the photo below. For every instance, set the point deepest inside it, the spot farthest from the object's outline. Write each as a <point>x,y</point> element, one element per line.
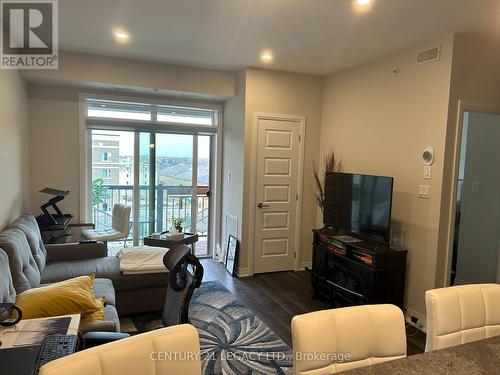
<point>330,164</point>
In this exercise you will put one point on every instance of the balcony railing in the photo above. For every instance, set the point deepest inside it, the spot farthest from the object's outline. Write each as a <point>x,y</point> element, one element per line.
<point>170,202</point>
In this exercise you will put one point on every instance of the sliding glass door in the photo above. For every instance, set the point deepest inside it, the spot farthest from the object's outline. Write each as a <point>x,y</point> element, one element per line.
<point>203,193</point>
<point>174,180</point>
<point>178,177</point>
<point>112,174</point>
<point>162,176</point>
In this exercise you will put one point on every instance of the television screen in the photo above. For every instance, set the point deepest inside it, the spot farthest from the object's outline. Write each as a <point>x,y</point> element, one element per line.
<point>359,204</point>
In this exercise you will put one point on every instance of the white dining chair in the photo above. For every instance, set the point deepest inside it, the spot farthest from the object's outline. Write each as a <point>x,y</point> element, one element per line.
<point>461,314</point>
<point>120,226</point>
<point>172,350</point>
<point>331,341</point>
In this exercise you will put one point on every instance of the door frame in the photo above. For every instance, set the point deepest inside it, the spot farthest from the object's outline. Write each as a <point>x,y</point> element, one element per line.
<point>463,106</point>
<point>301,120</point>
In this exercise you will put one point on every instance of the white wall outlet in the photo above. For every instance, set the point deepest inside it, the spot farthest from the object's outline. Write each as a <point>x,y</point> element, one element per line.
<point>427,172</point>
<point>424,191</point>
<point>228,176</point>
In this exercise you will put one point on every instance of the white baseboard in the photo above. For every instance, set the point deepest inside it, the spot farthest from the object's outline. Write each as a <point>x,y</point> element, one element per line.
<point>303,265</point>
<point>243,272</point>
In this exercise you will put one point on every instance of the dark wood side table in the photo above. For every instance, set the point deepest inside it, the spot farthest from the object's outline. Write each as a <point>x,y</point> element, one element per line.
<point>165,241</point>
<point>72,234</point>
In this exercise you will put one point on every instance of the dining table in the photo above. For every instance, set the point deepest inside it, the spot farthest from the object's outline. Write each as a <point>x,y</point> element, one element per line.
<point>477,357</point>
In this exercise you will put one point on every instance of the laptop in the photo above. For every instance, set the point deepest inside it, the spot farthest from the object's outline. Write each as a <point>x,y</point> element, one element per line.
<point>19,361</point>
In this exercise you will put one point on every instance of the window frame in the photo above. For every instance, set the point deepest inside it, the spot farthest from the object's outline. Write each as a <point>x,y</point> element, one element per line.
<point>154,123</point>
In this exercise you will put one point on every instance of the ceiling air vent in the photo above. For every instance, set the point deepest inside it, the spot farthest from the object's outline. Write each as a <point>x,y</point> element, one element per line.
<point>429,55</point>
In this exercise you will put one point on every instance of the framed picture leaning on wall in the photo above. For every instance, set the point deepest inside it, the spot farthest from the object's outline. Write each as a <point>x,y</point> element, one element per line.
<point>232,252</point>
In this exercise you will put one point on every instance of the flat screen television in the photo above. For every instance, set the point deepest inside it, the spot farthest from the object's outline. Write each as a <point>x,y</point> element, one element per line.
<point>359,204</point>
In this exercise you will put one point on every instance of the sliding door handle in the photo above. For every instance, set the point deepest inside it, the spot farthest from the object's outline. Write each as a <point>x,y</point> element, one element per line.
<point>261,205</point>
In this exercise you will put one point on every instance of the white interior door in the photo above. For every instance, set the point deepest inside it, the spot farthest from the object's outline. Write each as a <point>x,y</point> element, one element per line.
<point>276,195</point>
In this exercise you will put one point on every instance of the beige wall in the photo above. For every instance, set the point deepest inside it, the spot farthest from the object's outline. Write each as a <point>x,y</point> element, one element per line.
<point>100,71</point>
<point>14,150</point>
<point>53,135</point>
<point>276,92</point>
<point>233,154</point>
<point>379,123</point>
<point>475,82</point>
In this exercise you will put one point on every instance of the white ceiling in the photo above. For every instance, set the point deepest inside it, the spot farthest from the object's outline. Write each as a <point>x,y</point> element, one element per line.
<point>307,36</point>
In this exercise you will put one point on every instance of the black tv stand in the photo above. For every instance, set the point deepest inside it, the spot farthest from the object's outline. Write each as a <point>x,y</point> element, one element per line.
<point>356,273</point>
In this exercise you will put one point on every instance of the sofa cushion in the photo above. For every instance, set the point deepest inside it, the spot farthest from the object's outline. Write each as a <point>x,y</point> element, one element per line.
<point>123,282</point>
<point>110,314</point>
<point>104,288</point>
<point>108,268</point>
<point>27,223</point>
<point>7,291</point>
<point>23,268</point>
<point>111,322</point>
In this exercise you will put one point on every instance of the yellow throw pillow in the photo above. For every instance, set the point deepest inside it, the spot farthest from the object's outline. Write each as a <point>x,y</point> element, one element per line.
<point>97,316</point>
<point>73,296</point>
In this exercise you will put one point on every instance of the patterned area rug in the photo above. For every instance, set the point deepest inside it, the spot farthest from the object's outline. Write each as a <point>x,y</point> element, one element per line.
<point>233,340</point>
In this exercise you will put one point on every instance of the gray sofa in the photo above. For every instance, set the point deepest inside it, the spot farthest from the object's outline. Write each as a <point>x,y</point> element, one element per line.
<point>33,264</point>
<point>7,291</point>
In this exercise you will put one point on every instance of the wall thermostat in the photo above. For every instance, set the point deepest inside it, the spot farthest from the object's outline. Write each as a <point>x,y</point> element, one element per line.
<point>428,156</point>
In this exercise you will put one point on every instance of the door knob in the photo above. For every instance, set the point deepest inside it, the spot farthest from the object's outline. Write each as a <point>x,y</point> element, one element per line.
<point>261,205</point>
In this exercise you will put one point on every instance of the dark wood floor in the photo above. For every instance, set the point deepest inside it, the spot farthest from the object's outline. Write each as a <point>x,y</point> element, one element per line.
<point>277,297</point>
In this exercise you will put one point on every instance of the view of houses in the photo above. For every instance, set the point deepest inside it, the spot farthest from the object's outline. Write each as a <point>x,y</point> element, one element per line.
<point>117,169</point>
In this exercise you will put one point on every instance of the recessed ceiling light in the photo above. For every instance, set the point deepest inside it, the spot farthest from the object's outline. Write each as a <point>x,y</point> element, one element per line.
<point>266,57</point>
<point>362,6</point>
<point>121,36</point>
